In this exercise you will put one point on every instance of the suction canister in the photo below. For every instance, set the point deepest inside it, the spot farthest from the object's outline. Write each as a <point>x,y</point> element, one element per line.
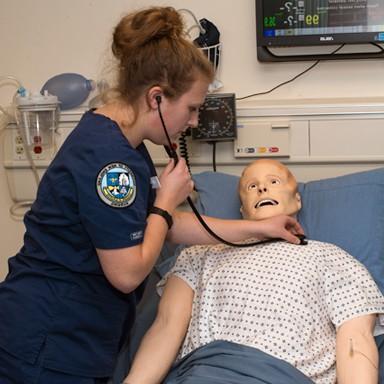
<point>37,116</point>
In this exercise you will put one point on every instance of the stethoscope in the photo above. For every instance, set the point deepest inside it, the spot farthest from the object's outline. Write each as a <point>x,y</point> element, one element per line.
<point>173,155</point>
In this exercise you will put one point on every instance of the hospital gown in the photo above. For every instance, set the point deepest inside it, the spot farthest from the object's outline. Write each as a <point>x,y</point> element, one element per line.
<point>284,299</point>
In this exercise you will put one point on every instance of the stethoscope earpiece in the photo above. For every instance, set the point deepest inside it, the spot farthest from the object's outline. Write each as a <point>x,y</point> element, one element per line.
<point>158,99</point>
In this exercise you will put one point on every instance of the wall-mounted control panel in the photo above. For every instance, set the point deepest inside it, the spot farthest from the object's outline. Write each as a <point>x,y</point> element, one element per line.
<point>262,139</point>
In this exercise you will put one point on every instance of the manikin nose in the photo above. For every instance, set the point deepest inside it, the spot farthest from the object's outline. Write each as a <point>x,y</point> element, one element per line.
<point>262,189</point>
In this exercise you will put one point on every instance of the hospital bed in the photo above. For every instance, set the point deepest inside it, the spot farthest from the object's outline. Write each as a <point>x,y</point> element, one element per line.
<point>345,210</point>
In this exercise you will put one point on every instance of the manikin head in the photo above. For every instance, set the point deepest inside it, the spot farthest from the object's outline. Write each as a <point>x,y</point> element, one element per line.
<point>267,188</point>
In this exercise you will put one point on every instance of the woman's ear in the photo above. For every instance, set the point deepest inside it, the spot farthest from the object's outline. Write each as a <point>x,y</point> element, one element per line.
<point>154,97</point>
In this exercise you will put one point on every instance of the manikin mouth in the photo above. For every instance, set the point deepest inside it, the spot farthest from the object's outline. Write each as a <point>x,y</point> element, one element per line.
<point>265,202</point>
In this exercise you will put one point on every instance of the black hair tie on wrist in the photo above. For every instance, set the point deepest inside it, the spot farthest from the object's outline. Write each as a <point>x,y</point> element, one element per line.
<point>163,213</point>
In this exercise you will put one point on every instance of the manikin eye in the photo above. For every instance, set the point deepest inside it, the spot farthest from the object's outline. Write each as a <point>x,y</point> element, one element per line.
<point>275,181</point>
<point>252,186</point>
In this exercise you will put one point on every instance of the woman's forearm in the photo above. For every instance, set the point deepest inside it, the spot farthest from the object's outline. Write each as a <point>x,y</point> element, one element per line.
<point>188,230</point>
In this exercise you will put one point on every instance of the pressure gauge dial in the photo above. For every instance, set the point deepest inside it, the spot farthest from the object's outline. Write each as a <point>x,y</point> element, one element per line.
<point>217,118</point>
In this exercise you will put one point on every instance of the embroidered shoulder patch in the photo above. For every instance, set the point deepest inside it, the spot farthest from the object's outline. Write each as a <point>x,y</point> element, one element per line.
<point>116,185</point>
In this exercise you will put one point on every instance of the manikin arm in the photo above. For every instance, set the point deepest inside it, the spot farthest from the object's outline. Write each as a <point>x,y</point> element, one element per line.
<point>162,341</point>
<point>356,352</point>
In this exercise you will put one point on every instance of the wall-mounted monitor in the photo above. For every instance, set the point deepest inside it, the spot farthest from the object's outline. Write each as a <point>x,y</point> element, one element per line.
<point>297,23</point>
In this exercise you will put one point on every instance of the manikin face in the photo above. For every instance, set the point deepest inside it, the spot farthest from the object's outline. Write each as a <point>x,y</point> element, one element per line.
<point>267,189</point>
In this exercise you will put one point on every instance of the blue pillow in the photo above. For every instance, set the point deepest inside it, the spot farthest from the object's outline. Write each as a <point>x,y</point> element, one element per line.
<point>347,211</point>
<point>218,195</point>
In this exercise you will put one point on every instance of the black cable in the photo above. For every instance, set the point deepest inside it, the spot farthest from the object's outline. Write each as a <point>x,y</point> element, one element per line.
<point>172,154</point>
<point>213,143</point>
<point>378,46</point>
<point>292,79</point>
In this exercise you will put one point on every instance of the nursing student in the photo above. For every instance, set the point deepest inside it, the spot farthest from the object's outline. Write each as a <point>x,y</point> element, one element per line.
<point>101,216</point>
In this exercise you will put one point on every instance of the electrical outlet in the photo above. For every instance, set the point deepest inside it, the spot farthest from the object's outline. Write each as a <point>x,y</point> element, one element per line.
<point>18,148</point>
<point>19,140</point>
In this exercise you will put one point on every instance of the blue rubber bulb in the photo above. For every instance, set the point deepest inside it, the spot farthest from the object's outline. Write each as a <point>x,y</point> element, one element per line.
<point>72,89</point>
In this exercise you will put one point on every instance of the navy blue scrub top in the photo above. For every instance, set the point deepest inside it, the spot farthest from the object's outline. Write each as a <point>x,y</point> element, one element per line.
<point>95,194</point>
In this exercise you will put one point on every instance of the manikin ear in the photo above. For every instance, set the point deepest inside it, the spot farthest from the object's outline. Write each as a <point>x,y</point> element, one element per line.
<point>153,96</point>
<point>298,199</point>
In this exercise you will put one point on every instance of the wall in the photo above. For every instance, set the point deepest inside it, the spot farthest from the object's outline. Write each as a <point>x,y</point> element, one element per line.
<point>42,38</point>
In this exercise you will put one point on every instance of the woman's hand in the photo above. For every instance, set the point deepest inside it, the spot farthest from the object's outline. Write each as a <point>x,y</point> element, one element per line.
<point>281,226</point>
<point>176,184</point>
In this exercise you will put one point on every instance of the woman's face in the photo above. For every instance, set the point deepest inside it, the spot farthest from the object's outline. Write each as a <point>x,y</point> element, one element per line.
<point>183,112</point>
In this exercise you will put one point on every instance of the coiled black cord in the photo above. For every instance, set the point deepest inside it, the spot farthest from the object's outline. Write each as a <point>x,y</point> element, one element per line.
<point>183,149</point>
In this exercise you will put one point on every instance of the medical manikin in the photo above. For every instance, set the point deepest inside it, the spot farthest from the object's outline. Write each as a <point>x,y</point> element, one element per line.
<point>314,307</point>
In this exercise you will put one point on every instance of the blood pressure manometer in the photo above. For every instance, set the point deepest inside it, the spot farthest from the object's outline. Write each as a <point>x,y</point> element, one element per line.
<point>217,118</point>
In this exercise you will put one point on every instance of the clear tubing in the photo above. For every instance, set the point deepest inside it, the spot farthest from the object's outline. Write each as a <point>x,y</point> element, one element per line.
<point>18,206</point>
<point>197,23</point>
<point>13,210</point>
<point>7,79</point>
<point>27,151</point>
